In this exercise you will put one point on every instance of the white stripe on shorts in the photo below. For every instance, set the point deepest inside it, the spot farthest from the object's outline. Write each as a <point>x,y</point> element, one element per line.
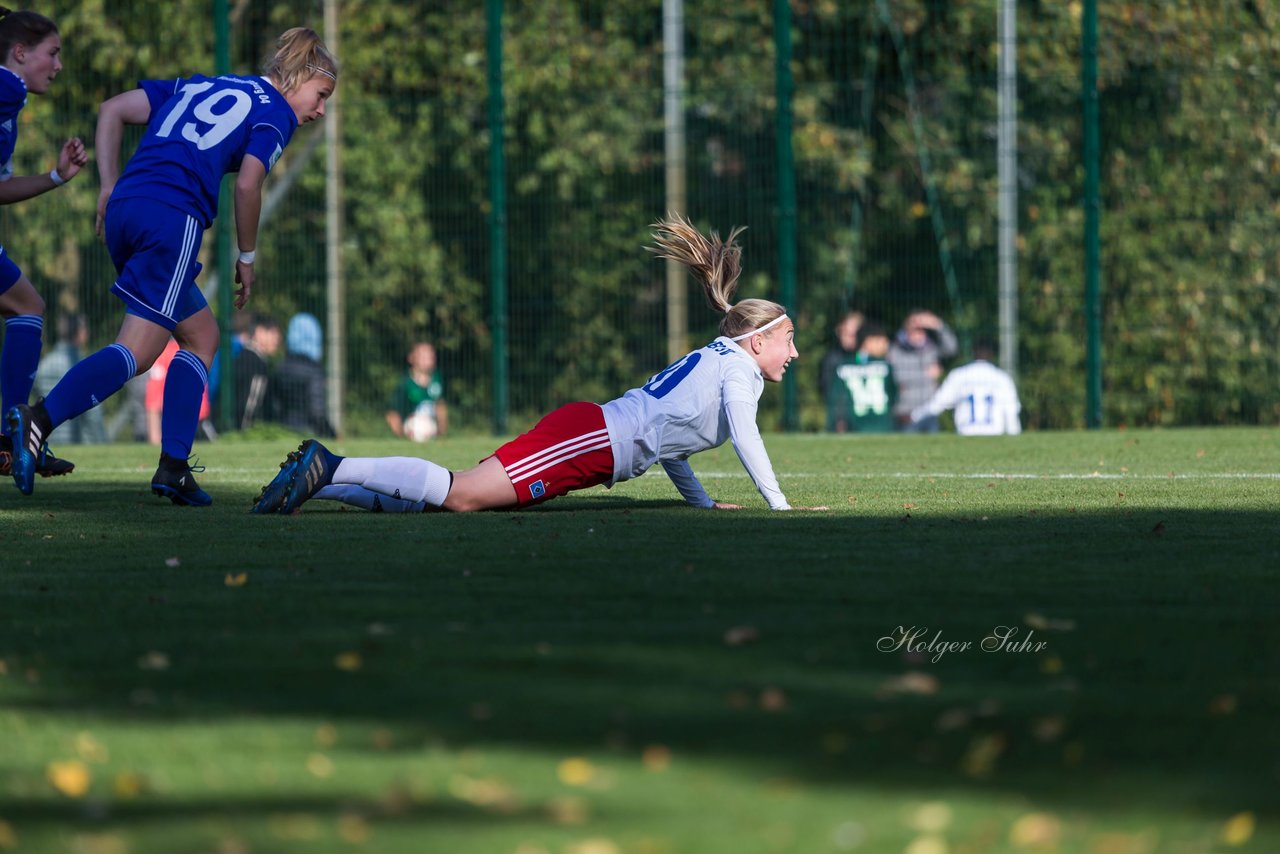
<point>596,440</point>
<point>184,261</point>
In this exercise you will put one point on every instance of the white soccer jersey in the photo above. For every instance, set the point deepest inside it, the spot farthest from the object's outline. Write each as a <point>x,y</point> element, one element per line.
<point>984,398</point>
<point>693,405</point>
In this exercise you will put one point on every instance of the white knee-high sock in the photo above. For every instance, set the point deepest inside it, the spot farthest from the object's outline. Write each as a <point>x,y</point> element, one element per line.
<point>409,478</point>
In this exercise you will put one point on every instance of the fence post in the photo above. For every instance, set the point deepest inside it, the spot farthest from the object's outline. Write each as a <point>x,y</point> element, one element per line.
<point>674,133</point>
<point>1092,213</point>
<point>1007,169</point>
<point>336,291</point>
<point>222,243</point>
<point>497,214</point>
<point>786,188</point>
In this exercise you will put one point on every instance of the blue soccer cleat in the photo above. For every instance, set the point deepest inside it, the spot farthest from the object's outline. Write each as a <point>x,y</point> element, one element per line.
<point>310,472</point>
<point>174,480</point>
<point>28,432</point>
<point>275,492</point>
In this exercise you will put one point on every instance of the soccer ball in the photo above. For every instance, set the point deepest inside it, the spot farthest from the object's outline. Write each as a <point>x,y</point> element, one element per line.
<point>420,426</point>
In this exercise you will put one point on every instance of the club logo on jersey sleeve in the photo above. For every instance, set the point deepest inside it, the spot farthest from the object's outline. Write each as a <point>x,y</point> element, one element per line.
<point>275,155</point>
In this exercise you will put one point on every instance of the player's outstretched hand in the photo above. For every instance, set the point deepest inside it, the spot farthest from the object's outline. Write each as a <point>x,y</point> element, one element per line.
<point>244,278</point>
<point>720,505</point>
<point>819,507</point>
<point>71,158</point>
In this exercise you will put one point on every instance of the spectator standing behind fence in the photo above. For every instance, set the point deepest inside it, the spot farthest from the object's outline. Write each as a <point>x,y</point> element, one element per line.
<point>299,388</point>
<point>30,50</point>
<point>843,351</point>
<point>983,396</point>
<point>252,369</point>
<point>417,410</point>
<point>241,326</point>
<point>73,337</point>
<point>868,386</point>
<point>916,356</point>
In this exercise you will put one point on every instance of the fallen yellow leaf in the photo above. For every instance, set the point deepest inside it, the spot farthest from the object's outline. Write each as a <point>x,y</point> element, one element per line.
<point>237,579</point>
<point>1037,829</point>
<point>154,660</point>
<point>595,846</point>
<point>320,765</point>
<point>739,635</point>
<point>927,845</point>
<point>773,699</point>
<point>348,661</point>
<point>980,759</point>
<point>656,757</point>
<point>353,828</point>
<point>71,778</point>
<point>933,817</point>
<point>1239,829</point>
<point>911,682</point>
<point>575,771</point>
<point>569,810</point>
<point>128,785</point>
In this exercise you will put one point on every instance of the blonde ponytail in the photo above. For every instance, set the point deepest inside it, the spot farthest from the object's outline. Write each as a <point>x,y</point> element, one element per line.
<point>716,264</point>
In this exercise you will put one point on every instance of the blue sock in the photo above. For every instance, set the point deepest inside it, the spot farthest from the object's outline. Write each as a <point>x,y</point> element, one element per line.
<point>89,382</point>
<point>19,360</point>
<point>183,392</point>
<point>358,496</point>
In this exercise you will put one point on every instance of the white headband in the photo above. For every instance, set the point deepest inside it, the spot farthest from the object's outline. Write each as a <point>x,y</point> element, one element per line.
<point>773,322</point>
<point>318,70</point>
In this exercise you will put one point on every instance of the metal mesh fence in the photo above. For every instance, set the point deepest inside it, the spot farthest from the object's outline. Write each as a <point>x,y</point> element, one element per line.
<point>894,118</point>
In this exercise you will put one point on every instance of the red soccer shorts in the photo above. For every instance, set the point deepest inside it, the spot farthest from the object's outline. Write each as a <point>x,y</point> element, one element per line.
<point>568,449</point>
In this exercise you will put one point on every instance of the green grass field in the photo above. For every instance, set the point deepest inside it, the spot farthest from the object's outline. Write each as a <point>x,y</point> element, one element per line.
<point>619,673</point>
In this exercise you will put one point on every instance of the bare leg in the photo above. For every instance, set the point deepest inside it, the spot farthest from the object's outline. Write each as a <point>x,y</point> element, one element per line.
<point>484,487</point>
<point>21,298</point>
<point>199,334</point>
<point>144,339</point>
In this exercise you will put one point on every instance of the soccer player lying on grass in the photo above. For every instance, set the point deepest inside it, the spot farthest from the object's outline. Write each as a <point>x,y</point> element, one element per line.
<point>695,404</point>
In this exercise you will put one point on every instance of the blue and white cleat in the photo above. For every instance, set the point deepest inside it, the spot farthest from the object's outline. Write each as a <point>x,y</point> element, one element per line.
<point>275,492</point>
<point>311,472</point>
<point>29,433</point>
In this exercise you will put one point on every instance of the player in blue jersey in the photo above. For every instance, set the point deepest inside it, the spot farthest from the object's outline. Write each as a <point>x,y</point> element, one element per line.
<point>30,49</point>
<point>700,401</point>
<point>153,217</point>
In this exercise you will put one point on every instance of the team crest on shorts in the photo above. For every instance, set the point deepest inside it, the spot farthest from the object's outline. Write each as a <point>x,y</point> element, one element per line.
<point>537,489</point>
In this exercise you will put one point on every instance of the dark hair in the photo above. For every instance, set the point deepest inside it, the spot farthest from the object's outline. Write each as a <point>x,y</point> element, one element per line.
<point>25,28</point>
<point>870,330</point>
<point>984,348</point>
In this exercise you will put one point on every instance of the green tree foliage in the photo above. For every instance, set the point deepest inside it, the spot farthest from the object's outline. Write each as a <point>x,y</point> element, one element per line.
<point>892,99</point>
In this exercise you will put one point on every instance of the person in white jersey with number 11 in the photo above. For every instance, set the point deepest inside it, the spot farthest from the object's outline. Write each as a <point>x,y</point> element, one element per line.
<point>984,397</point>
<point>708,396</point>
